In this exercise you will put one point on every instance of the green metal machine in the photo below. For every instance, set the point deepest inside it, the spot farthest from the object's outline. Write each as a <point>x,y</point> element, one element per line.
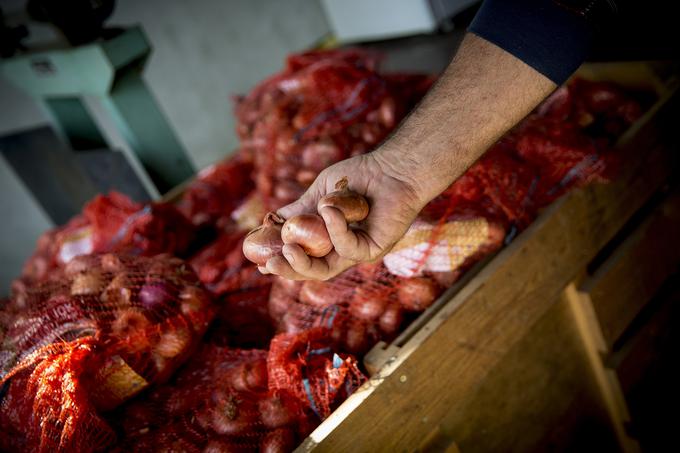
<point>111,71</point>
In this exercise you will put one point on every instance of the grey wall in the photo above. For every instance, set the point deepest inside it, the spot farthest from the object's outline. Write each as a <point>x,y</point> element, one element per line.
<point>204,52</point>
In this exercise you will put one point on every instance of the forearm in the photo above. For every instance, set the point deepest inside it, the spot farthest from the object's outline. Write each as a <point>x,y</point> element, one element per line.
<point>482,94</point>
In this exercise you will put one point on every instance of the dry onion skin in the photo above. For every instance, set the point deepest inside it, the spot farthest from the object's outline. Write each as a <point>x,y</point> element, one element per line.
<point>309,232</point>
<point>264,242</point>
<point>353,206</point>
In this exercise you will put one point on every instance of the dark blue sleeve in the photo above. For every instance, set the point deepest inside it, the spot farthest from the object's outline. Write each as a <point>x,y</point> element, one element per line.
<point>550,38</point>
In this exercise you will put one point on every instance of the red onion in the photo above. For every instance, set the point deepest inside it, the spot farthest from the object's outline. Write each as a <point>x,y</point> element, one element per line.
<point>86,283</point>
<point>232,415</point>
<point>391,319</point>
<point>322,294</point>
<point>367,305</point>
<point>319,155</point>
<point>277,411</point>
<point>250,376</point>
<point>417,293</point>
<point>308,231</point>
<point>173,342</point>
<point>353,206</point>
<point>281,440</point>
<point>156,294</point>
<point>264,242</point>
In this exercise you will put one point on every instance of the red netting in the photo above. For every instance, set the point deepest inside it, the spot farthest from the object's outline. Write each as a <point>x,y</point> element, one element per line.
<point>323,107</point>
<point>109,223</point>
<point>234,400</point>
<point>98,331</point>
<point>92,336</point>
<point>217,191</point>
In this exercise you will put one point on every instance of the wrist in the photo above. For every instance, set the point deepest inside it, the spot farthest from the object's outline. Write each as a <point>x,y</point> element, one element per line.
<point>407,170</point>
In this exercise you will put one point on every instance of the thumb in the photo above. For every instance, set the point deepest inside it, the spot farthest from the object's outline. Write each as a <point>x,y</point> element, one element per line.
<point>304,205</point>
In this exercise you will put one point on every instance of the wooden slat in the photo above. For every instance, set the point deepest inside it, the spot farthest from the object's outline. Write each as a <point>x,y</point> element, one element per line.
<point>622,286</point>
<point>540,395</point>
<point>607,381</point>
<point>442,364</point>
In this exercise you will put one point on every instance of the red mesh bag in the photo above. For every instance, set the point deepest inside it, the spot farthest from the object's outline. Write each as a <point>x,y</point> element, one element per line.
<point>323,107</point>
<point>109,223</point>
<point>305,365</point>
<point>121,225</point>
<point>217,191</point>
<point>222,267</point>
<point>219,402</point>
<point>94,335</point>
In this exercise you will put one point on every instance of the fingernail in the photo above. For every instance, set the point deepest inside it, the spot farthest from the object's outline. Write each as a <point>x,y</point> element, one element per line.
<point>289,257</point>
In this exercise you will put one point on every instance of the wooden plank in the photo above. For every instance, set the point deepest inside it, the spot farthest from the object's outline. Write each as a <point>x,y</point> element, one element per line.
<point>633,274</point>
<point>540,396</point>
<point>648,371</point>
<point>447,358</point>
<point>607,381</point>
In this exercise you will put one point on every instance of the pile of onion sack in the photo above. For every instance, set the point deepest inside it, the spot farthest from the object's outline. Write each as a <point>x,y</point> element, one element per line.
<point>79,345</point>
<point>565,143</point>
<point>107,344</point>
<point>109,223</point>
<point>230,399</point>
<point>323,107</point>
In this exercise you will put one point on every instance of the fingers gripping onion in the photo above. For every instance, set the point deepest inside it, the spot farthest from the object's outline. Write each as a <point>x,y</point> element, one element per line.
<point>264,241</point>
<point>352,205</point>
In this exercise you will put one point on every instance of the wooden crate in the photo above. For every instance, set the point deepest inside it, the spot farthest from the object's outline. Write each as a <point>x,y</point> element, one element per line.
<point>520,356</point>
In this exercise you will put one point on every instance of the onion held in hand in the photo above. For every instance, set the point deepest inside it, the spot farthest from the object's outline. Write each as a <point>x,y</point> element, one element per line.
<point>308,231</point>
<point>352,205</point>
<point>264,242</point>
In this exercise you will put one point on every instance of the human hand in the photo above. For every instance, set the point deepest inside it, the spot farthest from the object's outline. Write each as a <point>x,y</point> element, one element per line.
<point>394,204</point>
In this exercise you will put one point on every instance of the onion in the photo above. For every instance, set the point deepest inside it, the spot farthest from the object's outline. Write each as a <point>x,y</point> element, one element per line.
<point>305,177</point>
<point>287,191</point>
<point>193,300</point>
<point>417,293</point>
<point>321,294</point>
<point>352,205</point>
<point>222,446</point>
<point>264,242</point>
<point>367,305</point>
<point>118,293</point>
<point>250,376</point>
<point>111,263</point>
<point>173,342</point>
<point>281,440</point>
<point>233,416</point>
<point>356,338</point>
<point>77,265</point>
<point>446,278</point>
<point>319,155</point>
<point>156,294</point>
<point>387,112</point>
<point>291,287</point>
<point>279,302</point>
<point>391,319</point>
<point>308,231</point>
<point>86,283</point>
<point>277,411</point>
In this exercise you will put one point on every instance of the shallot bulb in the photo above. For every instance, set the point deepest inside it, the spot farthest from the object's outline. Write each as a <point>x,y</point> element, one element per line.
<point>264,241</point>
<point>308,231</point>
<point>352,205</point>
<point>417,293</point>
